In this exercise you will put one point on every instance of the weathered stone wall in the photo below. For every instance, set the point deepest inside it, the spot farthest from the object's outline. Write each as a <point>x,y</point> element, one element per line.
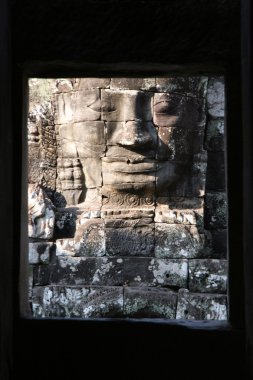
<point>127,200</point>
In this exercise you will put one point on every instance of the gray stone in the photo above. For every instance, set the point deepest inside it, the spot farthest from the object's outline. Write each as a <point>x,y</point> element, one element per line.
<point>197,182</point>
<point>174,144</point>
<point>65,247</point>
<point>132,134</point>
<point>64,85</point>
<point>89,132</point>
<point>89,238</point>
<point>39,253</point>
<point>177,241</point>
<point>215,97</point>
<point>65,223</point>
<point>84,139</point>
<point>67,270</point>
<point>127,154</point>
<point>135,216</point>
<point>137,241</point>
<point>215,175</point>
<point>89,83</point>
<point>173,110</point>
<point>92,169</point>
<point>30,282</point>
<point>77,302</point>
<point>92,203</point>
<point>208,276</point>
<point>219,244</point>
<point>41,215</point>
<point>163,214</point>
<point>118,172</point>
<point>149,303</point>
<point>191,86</point>
<point>168,174</point>
<point>131,196</point>
<point>148,84</point>
<point>196,306</point>
<point>126,105</point>
<point>183,203</point>
<point>143,271</point>
<point>78,106</point>
<point>215,135</point>
<point>216,210</point>
<point>123,223</point>
<point>64,108</point>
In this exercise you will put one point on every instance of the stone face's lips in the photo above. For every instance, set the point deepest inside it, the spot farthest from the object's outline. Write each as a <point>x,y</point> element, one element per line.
<point>127,166</point>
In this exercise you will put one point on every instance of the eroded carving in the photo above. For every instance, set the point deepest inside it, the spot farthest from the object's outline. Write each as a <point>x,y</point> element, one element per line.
<point>41,216</point>
<point>126,160</point>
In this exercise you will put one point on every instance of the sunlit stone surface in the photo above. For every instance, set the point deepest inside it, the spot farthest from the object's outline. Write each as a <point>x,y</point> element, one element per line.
<point>127,210</point>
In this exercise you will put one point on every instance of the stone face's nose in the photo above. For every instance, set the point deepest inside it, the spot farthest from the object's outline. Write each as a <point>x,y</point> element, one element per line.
<point>137,133</point>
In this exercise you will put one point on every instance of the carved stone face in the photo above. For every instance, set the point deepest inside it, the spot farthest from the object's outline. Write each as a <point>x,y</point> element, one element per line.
<point>128,141</point>
<point>148,138</point>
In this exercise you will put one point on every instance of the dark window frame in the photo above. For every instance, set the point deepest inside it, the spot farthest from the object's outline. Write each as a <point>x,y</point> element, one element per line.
<point>232,117</point>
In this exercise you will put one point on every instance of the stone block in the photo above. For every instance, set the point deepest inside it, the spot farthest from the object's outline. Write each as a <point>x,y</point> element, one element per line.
<point>215,174</point>
<point>137,241</point>
<point>41,215</point>
<point>77,302</point>
<point>65,223</point>
<point>174,144</point>
<point>92,203</point>
<point>128,196</point>
<point>63,85</point>
<point>219,244</point>
<point>148,84</point>
<point>67,270</point>
<point>33,165</point>
<point>135,217</point>
<point>124,223</point>
<point>39,253</point>
<point>208,276</point>
<point>163,214</point>
<point>197,181</point>
<point>89,239</point>
<point>216,97</point>
<point>89,83</point>
<point>65,247</point>
<point>126,154</point>
<point>215,135</point>
<point>177,241</point>
<point>87,105</point>
<point>64,108</point>
<point>184,203</point>
<point>92,169</point>
<point>78,106</point>
<point>30,282</point>
<point>200,306</point>
<point>84,139</point>
<point>216,210</point>
<point>119,172</point>
<point>190,86</point>
<point>89,132</point>
<point>143,271</point>
<point>173,110</point>
<point>149,303</point>
<point>126,105</point>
